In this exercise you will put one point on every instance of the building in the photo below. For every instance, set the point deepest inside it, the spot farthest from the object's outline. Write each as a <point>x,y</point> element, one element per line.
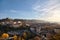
<point>57,30</point>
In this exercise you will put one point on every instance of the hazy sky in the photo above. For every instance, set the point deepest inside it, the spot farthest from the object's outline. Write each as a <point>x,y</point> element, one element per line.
<point>48,10</point>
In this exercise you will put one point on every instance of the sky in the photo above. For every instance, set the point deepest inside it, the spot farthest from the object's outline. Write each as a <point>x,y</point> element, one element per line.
<point>48,10</point>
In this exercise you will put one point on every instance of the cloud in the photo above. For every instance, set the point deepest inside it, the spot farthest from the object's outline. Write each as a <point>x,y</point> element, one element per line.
<point>48,9</point>
<point>10,11</point>
<point>13,11</point>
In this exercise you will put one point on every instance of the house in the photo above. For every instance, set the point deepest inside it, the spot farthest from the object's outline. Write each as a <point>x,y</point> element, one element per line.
<point>57,30</point>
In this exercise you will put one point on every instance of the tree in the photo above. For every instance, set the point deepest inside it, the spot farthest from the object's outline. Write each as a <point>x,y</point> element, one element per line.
<point>5,35</point>
<point>15,37</point>
<point>57,36</point>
